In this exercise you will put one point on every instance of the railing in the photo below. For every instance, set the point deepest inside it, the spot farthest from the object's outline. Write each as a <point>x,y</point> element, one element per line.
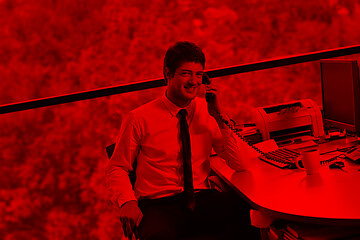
<point>221,72</point>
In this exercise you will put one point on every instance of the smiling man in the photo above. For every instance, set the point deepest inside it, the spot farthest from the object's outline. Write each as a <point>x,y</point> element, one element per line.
<point>171,139</point>
<point>185,83</point>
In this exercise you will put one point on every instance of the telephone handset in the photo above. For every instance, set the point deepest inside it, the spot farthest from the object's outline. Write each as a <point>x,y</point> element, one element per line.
<point>283,158</point>
<point>206,80</point>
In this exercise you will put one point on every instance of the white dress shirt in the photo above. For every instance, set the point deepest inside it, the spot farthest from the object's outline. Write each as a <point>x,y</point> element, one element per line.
<point>150,135</point>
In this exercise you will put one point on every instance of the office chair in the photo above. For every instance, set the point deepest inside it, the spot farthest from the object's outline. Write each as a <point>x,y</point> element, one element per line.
<point>132,175</point>
<point>110,150</point>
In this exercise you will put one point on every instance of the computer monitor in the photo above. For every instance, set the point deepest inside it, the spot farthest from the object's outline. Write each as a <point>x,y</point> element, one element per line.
<point>341,94</point>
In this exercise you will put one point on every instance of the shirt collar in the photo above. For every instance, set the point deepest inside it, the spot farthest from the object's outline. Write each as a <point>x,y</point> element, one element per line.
<point>174,109</point>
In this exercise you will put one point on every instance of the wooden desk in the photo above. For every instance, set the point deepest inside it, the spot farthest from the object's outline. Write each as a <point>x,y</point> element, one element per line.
<point>332,197</point>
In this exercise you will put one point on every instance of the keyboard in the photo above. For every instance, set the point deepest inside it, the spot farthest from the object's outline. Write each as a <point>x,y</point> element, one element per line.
<point>282,157</point>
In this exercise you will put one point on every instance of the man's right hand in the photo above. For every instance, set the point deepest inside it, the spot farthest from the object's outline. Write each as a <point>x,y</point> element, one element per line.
<point>130,217</point>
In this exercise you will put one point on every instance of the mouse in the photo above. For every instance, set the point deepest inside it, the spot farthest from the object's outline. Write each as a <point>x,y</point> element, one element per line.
<point>337,164</point>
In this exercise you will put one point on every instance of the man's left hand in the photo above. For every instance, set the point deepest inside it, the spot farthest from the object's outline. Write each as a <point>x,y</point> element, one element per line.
<point>213,99</point>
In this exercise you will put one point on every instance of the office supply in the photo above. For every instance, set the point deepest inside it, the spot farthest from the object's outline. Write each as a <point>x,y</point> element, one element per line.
<point>341,94</point>
<point>250,133</point>
<point>282,157</point>
<point>288,157</point>
<point>310,160</point>
<point>301,145</point>
<point>353,154</point>
<point>342,145</point>
<point>338,165</point>
<point>274,124</point>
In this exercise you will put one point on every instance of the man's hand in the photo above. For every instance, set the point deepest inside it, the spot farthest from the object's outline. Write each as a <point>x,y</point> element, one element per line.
<point>214,104</point>
<point>130,217</point>
<point>213,99</point>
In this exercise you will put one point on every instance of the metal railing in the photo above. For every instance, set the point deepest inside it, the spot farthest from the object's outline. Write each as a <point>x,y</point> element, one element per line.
<point>159,82</point>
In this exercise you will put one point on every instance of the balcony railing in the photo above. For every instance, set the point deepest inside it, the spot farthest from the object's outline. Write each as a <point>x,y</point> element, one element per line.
<point>159,82</point>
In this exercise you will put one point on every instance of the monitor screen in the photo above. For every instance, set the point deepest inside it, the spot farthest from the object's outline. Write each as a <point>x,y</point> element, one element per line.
<point>340,94</point>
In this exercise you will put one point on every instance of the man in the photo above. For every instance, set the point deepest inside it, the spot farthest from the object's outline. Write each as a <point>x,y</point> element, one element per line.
<point>171,198</point>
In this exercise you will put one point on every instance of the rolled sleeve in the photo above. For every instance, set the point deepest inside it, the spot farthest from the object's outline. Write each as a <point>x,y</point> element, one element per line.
<point>231,149</point>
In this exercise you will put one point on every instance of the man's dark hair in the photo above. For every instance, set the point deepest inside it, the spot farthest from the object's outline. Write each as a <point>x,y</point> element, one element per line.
<point>180,53</point>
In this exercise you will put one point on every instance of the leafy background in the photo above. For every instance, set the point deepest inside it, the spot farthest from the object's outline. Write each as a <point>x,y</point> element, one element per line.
<point>52,159</point>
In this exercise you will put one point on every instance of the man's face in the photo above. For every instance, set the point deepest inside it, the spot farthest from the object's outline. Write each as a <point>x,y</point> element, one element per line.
<point>185,84</point>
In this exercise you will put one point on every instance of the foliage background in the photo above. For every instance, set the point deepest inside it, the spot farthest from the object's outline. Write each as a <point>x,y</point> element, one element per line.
<point>52,159</point>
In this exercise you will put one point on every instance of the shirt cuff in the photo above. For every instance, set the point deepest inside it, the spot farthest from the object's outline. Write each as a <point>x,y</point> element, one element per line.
<point>122,201</point>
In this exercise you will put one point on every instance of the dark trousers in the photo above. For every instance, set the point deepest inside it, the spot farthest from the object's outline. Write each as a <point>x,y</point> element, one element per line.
<point>217,215</point>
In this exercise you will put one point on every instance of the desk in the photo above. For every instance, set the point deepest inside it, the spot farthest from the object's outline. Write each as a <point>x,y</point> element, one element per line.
<point>332,197</point>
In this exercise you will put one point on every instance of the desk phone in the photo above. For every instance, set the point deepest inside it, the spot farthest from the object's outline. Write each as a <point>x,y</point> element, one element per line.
<point>281,157</point>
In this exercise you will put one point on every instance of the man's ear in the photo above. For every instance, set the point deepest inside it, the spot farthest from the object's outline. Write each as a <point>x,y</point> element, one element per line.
<point>167,74</point>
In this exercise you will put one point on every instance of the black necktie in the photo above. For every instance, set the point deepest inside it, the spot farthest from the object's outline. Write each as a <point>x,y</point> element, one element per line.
<point>186,151</point>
